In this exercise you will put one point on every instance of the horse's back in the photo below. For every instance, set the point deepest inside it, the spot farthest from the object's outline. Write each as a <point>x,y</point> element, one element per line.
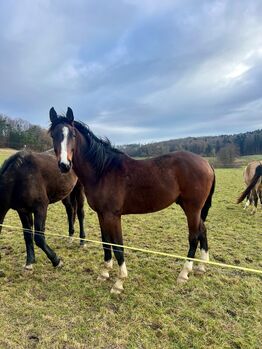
<point>56,184</point>
<point>34,177</point>
<point>156,183</point>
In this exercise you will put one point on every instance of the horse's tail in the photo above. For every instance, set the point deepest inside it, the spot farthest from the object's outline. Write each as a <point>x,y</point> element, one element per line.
<point>206,207</point>
<point>246,192</point>
<point>2,217</point>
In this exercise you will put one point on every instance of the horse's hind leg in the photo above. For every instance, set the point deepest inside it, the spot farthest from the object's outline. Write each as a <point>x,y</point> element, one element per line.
<point>39,224</point>
<point>70,216</point>
<point>81,216</point>
<point>193,219</point>
<point>27,222</point>
<point>255,198</point>
<point>3,212</point>
<point>248,202</point>
<point>204,255</point>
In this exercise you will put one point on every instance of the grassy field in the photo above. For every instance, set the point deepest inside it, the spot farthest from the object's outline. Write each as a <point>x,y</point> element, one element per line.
<point>4,153</point>
<point>71,309</point>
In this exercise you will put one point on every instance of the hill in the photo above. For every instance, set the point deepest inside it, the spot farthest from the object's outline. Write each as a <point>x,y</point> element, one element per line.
<point>248,143</point>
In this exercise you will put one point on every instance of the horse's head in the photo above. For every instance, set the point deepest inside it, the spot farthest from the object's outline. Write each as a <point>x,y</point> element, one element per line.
<point>63,135</point>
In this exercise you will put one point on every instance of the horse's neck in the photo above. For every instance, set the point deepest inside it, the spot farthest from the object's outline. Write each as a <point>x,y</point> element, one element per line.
<point>82,167</point>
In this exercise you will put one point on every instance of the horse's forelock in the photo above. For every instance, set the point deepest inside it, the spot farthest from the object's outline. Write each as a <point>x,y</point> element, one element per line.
<point>60,120</point>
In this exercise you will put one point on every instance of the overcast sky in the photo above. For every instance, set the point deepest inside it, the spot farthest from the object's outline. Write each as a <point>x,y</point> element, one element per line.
<point>134,70</point>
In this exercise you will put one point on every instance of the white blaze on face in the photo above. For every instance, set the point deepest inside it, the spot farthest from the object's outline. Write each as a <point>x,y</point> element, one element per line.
<point>63,155</point>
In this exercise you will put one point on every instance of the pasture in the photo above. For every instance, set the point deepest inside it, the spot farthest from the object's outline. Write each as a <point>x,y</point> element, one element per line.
<point>71,309</point>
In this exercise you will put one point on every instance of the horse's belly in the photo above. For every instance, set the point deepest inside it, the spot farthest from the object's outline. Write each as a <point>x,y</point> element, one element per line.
<point>149,202</point>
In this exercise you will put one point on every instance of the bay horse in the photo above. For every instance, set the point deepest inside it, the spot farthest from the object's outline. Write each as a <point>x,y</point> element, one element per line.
<point>253,180</point>
<point>29,182</point>
<point>116,185</point>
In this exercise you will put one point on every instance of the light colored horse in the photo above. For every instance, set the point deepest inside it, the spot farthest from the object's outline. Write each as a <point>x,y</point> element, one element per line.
<point>256,191</point>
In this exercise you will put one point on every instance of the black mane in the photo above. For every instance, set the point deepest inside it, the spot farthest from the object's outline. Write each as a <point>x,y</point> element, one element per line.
<point>100,153</point>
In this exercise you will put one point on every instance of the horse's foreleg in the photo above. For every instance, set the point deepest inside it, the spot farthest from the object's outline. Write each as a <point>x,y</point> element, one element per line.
<point>111,224</point>
<point>119,254</point>
<point>27,223</point>
<point>39,224</point>
<point>108,261</point>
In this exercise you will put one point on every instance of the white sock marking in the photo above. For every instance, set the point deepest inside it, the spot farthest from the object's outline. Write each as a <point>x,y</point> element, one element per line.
<point>188,267</point>
<point>204,255</point>
<point>118,286</point>
<point>123,271</point>
<point>108,265</point>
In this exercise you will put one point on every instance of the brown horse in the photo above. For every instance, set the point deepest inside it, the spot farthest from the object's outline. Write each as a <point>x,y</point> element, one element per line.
<point>116,184</point>
<point>253,179</point>
<point>29,182</point>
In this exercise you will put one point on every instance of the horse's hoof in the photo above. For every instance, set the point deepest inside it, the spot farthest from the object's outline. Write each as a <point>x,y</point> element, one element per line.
<point>118,287</point>
<point>199,270</point>
<point>59,265</point>
<point>2,274</point>
<point>83,246</point>
<point>28,267</point>
<point>103,276</point>
<point>182,280</point>
<point>115,290</point>
<point>70,239</point>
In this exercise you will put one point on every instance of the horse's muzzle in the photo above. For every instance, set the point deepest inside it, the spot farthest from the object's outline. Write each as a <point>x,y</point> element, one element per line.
<point>64,168</point>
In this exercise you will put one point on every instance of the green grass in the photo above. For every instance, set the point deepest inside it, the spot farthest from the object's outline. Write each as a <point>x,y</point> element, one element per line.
<point>70,308</point>
<point>4,153</point>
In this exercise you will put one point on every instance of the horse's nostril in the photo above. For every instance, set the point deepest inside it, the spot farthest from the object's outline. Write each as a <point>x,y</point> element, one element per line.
<point>64,167</point>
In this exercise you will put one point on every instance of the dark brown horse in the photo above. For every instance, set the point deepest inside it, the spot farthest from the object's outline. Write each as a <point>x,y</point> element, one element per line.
<point>253,180</point>
<point>29,182</point>
<point>116,184</point>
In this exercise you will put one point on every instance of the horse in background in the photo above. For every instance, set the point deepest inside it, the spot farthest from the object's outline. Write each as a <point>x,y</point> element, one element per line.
<point>116,185</point>
<point>253,180</point>
<point>29,182</point>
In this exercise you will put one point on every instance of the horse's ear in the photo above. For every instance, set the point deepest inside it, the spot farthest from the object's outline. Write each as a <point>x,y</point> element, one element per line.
<point>52,114</point>
<point>69,114</point>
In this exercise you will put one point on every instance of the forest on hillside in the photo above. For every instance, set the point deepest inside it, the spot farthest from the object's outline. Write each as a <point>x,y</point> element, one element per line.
<point>248,143</point>
<point>18,133</point>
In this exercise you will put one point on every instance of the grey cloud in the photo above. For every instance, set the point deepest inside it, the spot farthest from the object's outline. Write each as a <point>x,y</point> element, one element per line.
<point>134,70</point>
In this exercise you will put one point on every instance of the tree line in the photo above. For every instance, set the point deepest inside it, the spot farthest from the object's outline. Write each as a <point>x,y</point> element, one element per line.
<point>19,134</point>
<point>248,143</point>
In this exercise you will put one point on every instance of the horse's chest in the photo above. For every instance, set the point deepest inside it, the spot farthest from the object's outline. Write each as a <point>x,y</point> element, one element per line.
<point>102,198</point>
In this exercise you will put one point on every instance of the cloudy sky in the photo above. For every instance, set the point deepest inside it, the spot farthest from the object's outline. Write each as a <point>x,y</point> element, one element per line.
<point>134,70</point>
